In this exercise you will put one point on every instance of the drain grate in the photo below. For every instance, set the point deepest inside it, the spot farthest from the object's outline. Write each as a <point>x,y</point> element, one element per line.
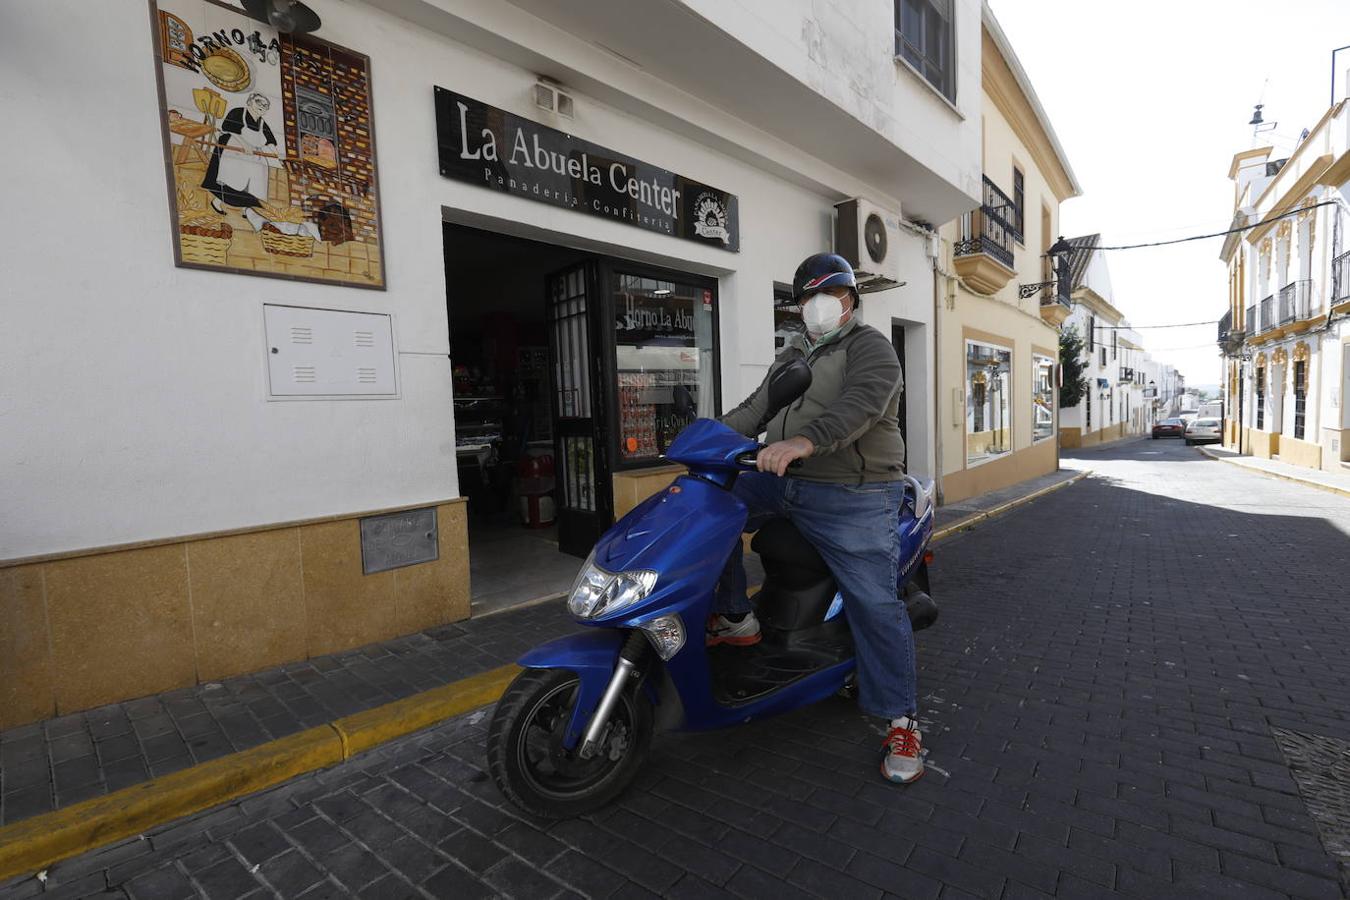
<point>1321,767</point>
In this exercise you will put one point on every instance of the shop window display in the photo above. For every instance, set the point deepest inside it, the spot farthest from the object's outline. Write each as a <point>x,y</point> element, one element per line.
<point>988,410</point>
<point>664,354</point>
<point>1042,398</point>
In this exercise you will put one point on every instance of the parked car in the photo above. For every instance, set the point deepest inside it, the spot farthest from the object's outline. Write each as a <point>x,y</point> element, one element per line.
<point>1168,428</point>
<point>1203,431</point>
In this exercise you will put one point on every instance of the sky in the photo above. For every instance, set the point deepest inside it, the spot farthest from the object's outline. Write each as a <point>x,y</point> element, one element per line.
<point>1150,101</point>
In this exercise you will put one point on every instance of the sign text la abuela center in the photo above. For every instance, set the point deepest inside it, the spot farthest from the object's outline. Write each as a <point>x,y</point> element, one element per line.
<point>491,147</point>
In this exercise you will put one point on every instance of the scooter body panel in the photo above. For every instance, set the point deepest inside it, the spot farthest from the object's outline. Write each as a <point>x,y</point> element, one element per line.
<point>591,654</point>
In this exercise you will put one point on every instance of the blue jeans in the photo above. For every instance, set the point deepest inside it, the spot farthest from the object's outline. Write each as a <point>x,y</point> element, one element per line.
<point>855,529</point>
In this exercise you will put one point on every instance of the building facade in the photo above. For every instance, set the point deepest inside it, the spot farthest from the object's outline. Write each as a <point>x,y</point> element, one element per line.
<point>1286,334</point>
<point>998,343</point>
<point>1127,390</point>
<point>572,238</point>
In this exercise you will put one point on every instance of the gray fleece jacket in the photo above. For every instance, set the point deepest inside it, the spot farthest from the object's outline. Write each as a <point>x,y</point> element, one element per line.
<point>850,413</point>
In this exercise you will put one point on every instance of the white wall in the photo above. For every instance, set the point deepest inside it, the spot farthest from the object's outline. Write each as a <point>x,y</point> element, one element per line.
<point>138,389</point>
<point>912,306</point>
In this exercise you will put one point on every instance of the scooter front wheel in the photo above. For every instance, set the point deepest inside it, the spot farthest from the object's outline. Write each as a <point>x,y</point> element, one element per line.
<point>529,763</point>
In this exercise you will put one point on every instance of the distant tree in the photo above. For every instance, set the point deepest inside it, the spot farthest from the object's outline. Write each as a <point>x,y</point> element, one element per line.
<point>1071,364</point>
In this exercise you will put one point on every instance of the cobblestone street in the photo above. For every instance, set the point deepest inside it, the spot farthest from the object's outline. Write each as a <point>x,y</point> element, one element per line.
<point>1123,671</point>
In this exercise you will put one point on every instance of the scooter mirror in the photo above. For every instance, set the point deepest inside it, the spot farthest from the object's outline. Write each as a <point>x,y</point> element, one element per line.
<point>788,383</point>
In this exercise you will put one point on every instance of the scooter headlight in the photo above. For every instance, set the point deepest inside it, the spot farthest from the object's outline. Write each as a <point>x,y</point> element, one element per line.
<point>598,592</point>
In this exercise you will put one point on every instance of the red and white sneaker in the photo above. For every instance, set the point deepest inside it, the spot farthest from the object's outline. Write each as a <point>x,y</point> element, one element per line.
<point>722,630</point>
<point>903,761</point>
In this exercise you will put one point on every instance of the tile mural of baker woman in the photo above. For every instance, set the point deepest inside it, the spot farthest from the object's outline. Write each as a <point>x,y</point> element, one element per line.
<point>271,148</point>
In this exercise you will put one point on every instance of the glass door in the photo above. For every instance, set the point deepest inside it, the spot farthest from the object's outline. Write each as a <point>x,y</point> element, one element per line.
<point>585,501</point>
<point>663,347</point>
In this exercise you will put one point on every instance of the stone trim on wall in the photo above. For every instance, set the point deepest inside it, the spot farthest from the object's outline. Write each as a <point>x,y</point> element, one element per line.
<point>95,629</point>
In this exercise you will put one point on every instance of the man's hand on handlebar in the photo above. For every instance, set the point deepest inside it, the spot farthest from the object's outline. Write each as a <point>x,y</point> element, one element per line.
<point>777,456</point>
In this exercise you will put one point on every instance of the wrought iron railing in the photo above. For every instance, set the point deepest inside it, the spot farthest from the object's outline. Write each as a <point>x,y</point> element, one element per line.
<point>1340,278</point>
<point>1267,311</point>
<point>1295,301</point>
<point>1225,326</point>
<point>990,229</point>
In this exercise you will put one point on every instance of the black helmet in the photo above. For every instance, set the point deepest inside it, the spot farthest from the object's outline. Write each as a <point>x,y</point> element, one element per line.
<point>823,270</point>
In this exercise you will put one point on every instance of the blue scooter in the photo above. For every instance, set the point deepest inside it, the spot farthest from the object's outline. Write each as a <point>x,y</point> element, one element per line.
<point>572,730</point>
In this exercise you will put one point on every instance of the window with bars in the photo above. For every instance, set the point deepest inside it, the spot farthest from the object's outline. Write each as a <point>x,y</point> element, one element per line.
<point>1019,203</point>
<point>923,38</point>
<point>1087,418</point>
<point>1300,396</point>
<point>1261,397</point>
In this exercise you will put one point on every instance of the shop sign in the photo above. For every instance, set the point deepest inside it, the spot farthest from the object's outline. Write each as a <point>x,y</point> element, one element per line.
<point>491,147</point>
<point>651,320</point>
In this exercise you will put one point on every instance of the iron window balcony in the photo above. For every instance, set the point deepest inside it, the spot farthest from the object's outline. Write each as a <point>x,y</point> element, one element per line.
<point>1295,301</point>
<point>1340,278</point>
<point>984,250</point>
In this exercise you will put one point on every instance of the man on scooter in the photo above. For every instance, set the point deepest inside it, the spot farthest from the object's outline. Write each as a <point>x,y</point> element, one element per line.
<point>844,497</point>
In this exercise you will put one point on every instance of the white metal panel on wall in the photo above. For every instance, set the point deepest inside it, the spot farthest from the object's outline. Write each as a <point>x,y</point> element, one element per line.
<point>317,353</point>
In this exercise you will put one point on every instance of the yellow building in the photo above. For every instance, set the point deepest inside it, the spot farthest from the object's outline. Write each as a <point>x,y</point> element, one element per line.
<point>997,350</point>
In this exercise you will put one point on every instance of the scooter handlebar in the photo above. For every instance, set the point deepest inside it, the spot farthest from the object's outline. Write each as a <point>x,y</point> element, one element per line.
<point>747,459</point>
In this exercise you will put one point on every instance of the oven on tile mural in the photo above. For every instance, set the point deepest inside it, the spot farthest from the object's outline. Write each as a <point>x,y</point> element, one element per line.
<point>271,148</point>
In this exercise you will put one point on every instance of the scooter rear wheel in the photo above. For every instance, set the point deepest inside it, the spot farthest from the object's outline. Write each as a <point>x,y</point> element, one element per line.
<point>529,763</point>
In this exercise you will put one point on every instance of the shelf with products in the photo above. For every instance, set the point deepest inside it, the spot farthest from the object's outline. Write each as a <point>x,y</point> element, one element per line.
<point>654,406</point>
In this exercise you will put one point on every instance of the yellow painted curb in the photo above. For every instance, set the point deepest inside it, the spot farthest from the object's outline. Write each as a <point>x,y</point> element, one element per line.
<point>962,525</point>
<point>1329,488</point>
<point>34,844</point>
<point>364,730</point>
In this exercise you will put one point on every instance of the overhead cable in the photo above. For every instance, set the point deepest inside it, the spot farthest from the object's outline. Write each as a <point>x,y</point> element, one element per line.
<point>1201,237</point>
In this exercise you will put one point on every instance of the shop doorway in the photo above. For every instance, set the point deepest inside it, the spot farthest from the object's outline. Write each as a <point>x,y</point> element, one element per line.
<point>504,384</point>
<point>572,372</point>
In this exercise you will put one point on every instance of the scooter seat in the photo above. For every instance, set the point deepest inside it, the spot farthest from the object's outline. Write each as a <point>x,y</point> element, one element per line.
<point>782,546</point>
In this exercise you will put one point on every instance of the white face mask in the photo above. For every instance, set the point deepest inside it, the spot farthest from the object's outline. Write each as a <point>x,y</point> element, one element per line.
<point>821,314</point>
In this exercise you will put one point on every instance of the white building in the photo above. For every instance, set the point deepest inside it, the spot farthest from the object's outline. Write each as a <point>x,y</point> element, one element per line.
<point>196,455</point>
<point>1286,335</point>
<point>1161,391</point>
<point>1127,389</point>
<point>1098,416</point>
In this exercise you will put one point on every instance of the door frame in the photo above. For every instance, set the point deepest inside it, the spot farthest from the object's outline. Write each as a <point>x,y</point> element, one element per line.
<point>898,343</point>
<point>577,527</point>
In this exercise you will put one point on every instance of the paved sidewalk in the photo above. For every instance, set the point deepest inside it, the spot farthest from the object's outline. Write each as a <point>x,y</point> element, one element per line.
<point>1332,481</point>
<point>954,514</point>
<point>53,764</point>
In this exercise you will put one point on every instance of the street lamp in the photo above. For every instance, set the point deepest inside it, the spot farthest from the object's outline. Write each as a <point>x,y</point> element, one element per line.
<point>1059,260</point>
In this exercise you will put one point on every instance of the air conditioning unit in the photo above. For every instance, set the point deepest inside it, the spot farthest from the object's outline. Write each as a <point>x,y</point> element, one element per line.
<point>868,236</point>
